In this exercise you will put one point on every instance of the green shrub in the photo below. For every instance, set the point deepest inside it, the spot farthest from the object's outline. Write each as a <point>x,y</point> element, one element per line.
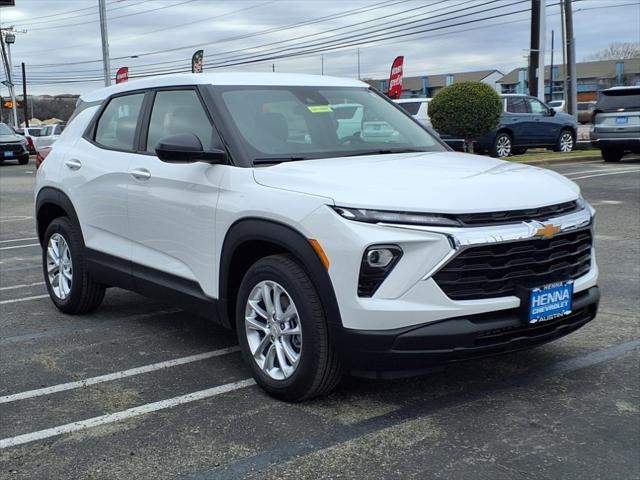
<point>467,110</point>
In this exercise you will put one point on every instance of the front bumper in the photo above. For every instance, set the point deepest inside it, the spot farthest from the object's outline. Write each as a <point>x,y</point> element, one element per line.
<point>412,350</point>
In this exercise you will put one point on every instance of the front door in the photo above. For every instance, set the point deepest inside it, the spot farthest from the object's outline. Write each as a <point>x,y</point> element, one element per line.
<point>545,130</point>
<point>172,206</point>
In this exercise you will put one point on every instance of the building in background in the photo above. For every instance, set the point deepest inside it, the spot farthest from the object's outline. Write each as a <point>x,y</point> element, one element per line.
<point>429,85</point>
<point>592,77</point>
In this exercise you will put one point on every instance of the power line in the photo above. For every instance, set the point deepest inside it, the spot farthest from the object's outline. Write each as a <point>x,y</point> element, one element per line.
<point>66,12</point>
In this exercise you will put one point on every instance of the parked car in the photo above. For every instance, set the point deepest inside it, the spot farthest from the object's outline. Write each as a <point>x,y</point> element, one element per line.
<point>528,123</point>
<point>232,195</point>
<point>417,107</point>
<point>48,135</point>
<point>42,155</point>
<point>585,111</point>
<point>616,124</point>
<point>557,105</point>
<point>13,146</point>
<point>30,133</point>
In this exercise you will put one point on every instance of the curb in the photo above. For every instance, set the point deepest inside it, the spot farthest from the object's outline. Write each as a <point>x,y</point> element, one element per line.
<point>559,161</point>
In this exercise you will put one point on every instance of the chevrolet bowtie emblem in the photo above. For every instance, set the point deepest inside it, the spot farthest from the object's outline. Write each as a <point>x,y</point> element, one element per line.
<point>547,231</point>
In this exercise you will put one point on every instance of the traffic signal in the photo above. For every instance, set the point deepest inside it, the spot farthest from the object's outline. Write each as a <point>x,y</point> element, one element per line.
<point>8,104</point>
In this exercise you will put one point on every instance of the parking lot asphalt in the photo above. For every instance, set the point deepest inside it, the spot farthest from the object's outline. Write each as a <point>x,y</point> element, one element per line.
<point>142,390</point>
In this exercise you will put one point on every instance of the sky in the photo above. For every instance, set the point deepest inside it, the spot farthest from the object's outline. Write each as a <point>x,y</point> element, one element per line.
<point>60,42</point>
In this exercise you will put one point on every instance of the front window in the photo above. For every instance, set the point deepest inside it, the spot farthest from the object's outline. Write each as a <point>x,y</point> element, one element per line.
<point>297,123</point>
<point>537,106</point>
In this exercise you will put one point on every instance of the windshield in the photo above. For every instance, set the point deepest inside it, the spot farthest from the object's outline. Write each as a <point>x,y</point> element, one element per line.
<point>297,123</point>
<point>4,130</point>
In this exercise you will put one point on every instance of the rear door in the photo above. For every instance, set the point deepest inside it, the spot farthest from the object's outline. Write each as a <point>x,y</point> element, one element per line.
<point>97,173</point>
<point>172,206</point>
<point>518,119</point>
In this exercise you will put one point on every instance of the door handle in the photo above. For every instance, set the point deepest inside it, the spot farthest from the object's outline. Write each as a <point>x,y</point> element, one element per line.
<point>73,164</point>
<point>141,174</point>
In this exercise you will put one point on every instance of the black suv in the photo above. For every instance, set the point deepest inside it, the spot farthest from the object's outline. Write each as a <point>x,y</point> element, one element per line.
<point>616,123</point>
<point>13,146</point>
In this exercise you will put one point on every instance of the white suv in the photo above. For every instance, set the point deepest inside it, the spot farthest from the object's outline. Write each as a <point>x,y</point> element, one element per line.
<point>234,196</point>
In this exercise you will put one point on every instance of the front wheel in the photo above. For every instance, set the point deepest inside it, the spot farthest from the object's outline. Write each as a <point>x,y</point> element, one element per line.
<point>502,145</point>
<point>565,142</point>
<point>612,155</point>
<point>65,271</point>
<point>283,333</point>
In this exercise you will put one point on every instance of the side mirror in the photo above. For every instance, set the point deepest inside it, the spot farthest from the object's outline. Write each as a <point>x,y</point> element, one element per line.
<point>187,148</point>
<point>552,112</point>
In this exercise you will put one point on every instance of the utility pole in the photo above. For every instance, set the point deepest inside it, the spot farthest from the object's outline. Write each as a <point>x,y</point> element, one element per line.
<point>358,64</point>
<point>273,67</point>
<point>542,37</point>
<point>572,95</point>
<point>534,48</point>
<point>24,96</point>
<point>8,38</point>
<point>105,42</point>
<point>321,64</point>
<point>551,70</point>
<point>563,44</point>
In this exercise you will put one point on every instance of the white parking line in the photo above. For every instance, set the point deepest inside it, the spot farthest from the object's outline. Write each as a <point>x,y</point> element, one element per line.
<point>19,240</point>
<point>605,174</point>
<point>23,299</point>
<point>20,246</point>
<point>25,285</point>
<point>116,375</point>
<point>124,414</point>
<point>15,218</point>
<point>597,170</point>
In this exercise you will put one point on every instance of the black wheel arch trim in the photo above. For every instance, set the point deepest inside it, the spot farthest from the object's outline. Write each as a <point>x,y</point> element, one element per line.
<point>284,236</point>
<point>54,196</point>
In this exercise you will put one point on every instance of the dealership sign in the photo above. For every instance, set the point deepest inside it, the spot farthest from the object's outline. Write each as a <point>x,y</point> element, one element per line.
<point>196,61</point>
<point>122,75</point>
<point>395,78</point>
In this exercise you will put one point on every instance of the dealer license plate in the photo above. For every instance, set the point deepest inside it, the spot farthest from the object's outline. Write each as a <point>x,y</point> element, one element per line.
<point>622,120</point>
<point>550,301</point>
<point>8,153</point>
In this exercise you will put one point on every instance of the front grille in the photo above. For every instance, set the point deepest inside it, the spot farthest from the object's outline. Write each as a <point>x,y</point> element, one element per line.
<point>499,270</point>
<point>11,147</point>
<point>515,216</point>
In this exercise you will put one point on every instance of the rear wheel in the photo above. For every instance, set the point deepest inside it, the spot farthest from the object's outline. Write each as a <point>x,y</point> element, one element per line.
<point>565,142</point>
<point>23,161</point>
<point>65,271</point>
<point>612,155</point>
<point>283,333</point>
<point>502,145</point>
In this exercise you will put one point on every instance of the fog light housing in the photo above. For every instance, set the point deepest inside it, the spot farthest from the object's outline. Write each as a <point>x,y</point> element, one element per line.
<point>377,262</point>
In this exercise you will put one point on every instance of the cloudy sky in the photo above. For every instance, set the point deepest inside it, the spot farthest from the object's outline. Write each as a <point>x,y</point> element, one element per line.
<point>59,40</point>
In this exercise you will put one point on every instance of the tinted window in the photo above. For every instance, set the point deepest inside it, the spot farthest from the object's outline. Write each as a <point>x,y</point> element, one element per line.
<point>175,112</point>
<point>555,103</point>
<point>620,98</point>
<point>536,106</point>
<point>344,113</point>
<point>411,107</point>
<point>58,129</point>
<point>35,132</point>
<point>117,125</point>
<point>517,105</point>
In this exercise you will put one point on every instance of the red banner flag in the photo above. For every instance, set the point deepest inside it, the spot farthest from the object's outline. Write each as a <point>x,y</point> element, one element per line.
<point>122,75</point>
<point>395,78</point>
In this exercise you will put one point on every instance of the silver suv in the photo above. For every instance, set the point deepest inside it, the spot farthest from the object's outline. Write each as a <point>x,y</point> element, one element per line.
<point>616,125</point>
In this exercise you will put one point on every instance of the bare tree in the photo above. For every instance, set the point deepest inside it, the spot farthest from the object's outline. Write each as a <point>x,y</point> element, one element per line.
<point>616,51</point>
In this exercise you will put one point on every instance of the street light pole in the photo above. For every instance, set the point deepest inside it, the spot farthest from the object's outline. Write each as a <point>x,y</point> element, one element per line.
<point>10,38</point>
<point>105,42</point>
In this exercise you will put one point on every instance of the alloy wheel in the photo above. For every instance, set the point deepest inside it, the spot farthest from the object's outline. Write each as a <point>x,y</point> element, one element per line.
<point>566,142</point>
<point>273,330</point>
<point>59,266</point>
<point>503,146</point>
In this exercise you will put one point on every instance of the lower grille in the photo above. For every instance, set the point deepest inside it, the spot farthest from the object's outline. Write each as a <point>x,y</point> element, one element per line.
<point>499,270</point>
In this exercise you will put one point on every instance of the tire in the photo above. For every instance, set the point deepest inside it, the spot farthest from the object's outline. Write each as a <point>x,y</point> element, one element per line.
<point>520,151</point>
<point>612,155</point>
<point>81,294</point>
<point>23,161</point>
<point>502,145</point>
<point>317,369</point>
<point>566,142</point>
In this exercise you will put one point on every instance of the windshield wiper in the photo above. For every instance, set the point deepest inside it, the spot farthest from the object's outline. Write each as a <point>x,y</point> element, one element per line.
<point>274,160</point>
<point>386,151</point>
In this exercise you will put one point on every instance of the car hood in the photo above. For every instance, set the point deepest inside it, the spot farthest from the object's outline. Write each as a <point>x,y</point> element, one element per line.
<point>10,139</point>
<point>443,182</point>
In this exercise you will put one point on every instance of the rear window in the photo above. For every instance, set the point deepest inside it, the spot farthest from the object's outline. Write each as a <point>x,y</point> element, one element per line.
<point>555,103</point>
<point>35,132</point>
<point>627,98</point>
<point>411,107</point>
<point>344,113</point>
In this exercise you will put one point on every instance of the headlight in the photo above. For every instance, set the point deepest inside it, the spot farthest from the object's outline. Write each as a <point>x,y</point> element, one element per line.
<point>408,218</point>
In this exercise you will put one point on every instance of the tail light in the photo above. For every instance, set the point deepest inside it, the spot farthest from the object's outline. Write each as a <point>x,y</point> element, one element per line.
<point>41,155</point>
<point>30,144</point>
